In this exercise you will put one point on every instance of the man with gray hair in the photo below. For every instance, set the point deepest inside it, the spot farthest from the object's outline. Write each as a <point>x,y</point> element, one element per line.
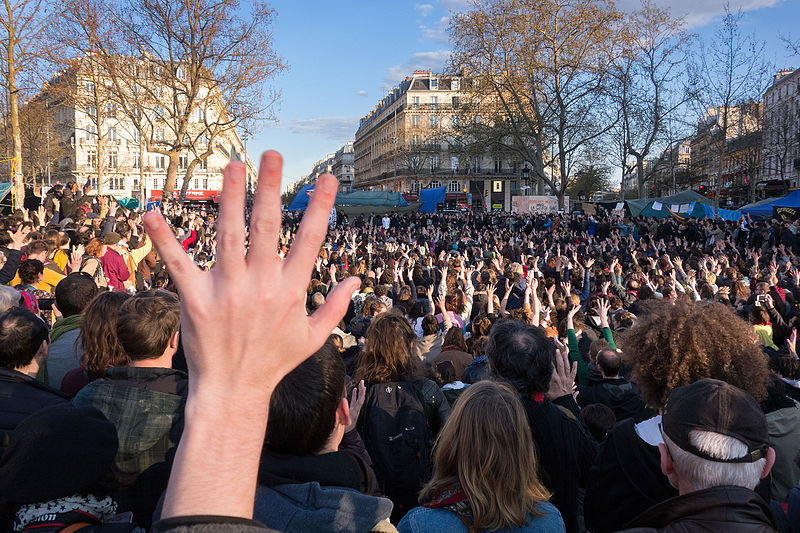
<point>9,297</point>
<point>715,451</point>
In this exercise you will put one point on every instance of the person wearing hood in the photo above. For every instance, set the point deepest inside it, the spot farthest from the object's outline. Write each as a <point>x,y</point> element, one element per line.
<point>613,390</point>
<point>306,482</point>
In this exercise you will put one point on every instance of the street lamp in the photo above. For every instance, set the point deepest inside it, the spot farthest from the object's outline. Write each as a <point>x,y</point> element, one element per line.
<point>526,175</point>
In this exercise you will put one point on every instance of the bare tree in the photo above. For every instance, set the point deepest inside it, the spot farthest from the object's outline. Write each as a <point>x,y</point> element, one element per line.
<point>22,24</point>
<point>185,74</point>
<point>731,71</point>
<point>41,146</point>
<point>539,73</point>
<point>650,88</point>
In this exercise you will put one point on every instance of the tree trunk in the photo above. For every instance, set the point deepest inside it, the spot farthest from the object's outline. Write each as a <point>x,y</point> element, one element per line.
<point>172,174</point>
<point>16,134</point>
<point>186,179</point>
<point>643,192</point>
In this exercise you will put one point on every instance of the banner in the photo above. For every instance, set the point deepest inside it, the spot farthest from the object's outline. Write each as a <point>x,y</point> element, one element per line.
<point>536,204</point>
<point>786,214</point>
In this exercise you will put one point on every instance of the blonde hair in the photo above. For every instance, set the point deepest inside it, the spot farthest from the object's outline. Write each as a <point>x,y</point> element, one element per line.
<point>486,448</point>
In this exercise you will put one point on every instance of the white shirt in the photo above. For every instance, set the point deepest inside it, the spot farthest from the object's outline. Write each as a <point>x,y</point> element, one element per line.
<point>386,222</point>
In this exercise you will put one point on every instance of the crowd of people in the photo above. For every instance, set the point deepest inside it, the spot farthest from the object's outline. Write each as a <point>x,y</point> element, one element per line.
<point>243,368</point>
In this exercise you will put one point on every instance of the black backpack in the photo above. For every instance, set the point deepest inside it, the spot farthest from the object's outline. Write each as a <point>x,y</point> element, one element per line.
<point>395,429</point>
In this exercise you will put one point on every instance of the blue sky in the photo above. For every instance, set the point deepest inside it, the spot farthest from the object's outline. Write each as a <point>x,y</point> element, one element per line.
<point>344,55</point>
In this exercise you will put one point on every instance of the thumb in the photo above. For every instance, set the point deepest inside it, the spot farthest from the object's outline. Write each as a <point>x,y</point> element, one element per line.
<point>328,316</point>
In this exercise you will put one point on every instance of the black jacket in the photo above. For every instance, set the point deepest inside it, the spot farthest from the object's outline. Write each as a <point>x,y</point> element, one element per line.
<point>21,396</point>
<point>565,452</point>
<point>624,481</point>
<point>622,396</point>
<point>728,509</point>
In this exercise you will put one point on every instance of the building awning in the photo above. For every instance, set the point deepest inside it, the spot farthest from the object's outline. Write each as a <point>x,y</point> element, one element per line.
<point>192,195</point>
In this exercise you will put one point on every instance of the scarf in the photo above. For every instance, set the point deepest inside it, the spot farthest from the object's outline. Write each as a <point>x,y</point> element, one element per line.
<point>40,514</point>
<point>455,501</point>
<point>63,325</point>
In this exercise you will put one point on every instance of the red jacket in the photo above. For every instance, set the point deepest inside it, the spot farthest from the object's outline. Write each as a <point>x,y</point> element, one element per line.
<point>115,269</point>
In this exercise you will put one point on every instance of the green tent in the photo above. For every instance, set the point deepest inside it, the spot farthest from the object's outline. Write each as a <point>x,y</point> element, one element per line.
<point>636,207</point>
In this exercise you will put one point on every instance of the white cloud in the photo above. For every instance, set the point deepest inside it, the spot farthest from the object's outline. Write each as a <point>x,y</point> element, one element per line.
<point>436,32</point>
<point>338,129</point>
<point>699,14</point>
<point>434,60</point>
<point>362,92</point>
<point>423,9</point>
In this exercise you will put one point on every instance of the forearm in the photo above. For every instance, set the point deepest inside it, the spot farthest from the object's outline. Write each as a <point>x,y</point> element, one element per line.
<point>609,337</point>
<point>231,472</point>
<point>576,357</point>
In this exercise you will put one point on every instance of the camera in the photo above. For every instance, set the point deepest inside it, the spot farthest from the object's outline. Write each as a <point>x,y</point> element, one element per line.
<point>760,299</point>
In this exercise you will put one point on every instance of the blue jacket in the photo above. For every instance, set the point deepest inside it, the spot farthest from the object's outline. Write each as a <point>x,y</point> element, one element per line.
<point>302,507</point>
<point>424,520</point>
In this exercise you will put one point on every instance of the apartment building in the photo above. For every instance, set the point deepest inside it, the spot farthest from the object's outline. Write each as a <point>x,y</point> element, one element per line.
<point>105,147</point>
<point>406,144</point>
<point>780,160</point>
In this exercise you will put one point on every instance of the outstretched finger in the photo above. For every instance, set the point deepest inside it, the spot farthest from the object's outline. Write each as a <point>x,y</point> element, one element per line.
<point>265,222</point>
<point>180,266</point>
<point>327,317</point>
<point>230,232</point>
<point>311,233</point>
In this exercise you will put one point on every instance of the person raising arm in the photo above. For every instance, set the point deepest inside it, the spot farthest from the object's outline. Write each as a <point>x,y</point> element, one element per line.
<point>213,479</point>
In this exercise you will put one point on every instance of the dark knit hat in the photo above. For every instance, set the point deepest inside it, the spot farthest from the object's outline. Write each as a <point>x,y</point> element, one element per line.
<point>718,407</point>
<point>57,452</point>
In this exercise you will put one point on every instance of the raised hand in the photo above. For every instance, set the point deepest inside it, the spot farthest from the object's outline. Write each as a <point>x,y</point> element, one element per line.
<point>602,307</point>
<point>564,373</point>
<point>223,311</point>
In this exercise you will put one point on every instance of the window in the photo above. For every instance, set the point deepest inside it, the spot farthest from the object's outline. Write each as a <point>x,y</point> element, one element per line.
<point>456,102</point>
<point>415,140</point>
<point>196,183</point>
<point>497,186</point>
<point>434,163</point>
<point>113,159</point>
<point>91,181</point>
<point>159,135</point>
<point>112,134</point>
<point>415,102</point>
<point>111,110</point>
<point>434,102</point>
<point>91,133</point>
<point>454,186</point>
<point>414,186</point>
<point>203,164</point>
<point>498,165</point>
<point>158,112</point>
<point>434,121</point>
<point>159,160</point>
<point>202,140</point>
<point>477,164</point>
<point>456,86</point>
<point>201,115</point>
<point>183,161</point>
<point>513,184</point>
<point>135,183</point>
<point>91,110</point>
<point>158,91</point>
<point>135,154</point>
<point>117,183</point>
<point>434,184</point>
<point>137,137</point>
<point>89,87</point>
<point>415,120</point>
<point>434,84</point>
<point>454,121</point>
<point>205,181</point>
<point>155,183</point>
<point>91,159</point>
<point>180,73</point>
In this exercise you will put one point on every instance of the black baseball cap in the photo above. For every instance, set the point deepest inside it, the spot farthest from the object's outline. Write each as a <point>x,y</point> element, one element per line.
<point>716,406</point>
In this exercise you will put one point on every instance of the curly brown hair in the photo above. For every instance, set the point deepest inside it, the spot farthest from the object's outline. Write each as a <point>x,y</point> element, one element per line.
<point>676,345</point>
<point>100,347</point>
<point>386,355</point>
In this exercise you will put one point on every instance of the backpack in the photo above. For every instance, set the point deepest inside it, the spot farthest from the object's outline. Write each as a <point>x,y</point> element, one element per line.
<point>395,429</point>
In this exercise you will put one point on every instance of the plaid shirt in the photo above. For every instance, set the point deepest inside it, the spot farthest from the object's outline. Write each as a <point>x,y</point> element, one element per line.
<point>146,406</point>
